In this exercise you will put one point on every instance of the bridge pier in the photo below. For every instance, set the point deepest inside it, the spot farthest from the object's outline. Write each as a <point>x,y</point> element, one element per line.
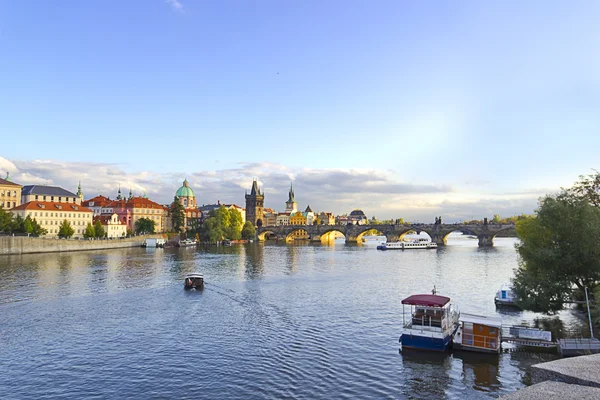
<point>485,240</point>
<point>438,238</point>
<point>315,238</point>
<point>392,238</point>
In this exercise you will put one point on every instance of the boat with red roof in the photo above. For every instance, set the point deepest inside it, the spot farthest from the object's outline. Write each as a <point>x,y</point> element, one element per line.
<point>431,324</point>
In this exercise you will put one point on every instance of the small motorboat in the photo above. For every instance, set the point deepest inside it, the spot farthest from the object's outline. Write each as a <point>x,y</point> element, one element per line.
<point>194,281</point>
<point>506,297</point>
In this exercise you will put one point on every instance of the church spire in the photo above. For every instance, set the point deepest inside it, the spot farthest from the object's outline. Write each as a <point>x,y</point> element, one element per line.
<point>291,194</point>
<point>119,197</point>
<point>79,192</point>
<point>130,194</point>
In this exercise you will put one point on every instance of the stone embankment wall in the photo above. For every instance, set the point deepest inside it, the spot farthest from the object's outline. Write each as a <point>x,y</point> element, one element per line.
<point>28,245</point>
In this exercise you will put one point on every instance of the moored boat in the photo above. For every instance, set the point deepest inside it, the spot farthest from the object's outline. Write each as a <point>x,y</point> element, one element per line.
<point>187,243</point>
<point>407,245</point>
<point>478,333</point>
<point>505,297</point>
<point>432,322</point>
<point>194,281</point>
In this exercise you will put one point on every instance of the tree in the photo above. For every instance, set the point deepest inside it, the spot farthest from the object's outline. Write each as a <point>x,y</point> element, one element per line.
<point>234,230</point>
<point>65,230</point>
<point>18,224</point>
<point>144,225</point>
<point>6,220</point>
<point>558,252</point>
<point>90,232</point>
<point>496,219</point>
<point>98,229</point>
<point>588,188</point>
<point>27,225</point>
<point>177,215</point>
<point>37,229</point>
<point>248,231</point>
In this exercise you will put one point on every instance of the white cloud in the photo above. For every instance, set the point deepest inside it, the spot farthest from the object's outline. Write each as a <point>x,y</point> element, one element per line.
<point>175,4</point>
<point>378,192</point>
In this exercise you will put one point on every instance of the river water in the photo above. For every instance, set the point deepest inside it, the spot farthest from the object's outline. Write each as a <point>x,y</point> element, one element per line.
<point>274,321</point>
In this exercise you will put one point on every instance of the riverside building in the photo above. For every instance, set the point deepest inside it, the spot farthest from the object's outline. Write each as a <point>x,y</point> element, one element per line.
<point>51,214</point>
<point>10,193</point>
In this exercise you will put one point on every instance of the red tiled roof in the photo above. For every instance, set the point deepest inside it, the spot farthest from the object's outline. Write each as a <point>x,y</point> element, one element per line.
<point>51,206</point>
<point>98,201</point>
<point>5,182</point>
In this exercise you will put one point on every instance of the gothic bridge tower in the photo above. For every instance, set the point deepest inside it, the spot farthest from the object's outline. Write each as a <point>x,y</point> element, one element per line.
<point>255,202</point>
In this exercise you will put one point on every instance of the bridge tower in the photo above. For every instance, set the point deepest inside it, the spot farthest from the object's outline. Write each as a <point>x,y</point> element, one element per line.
<point>291,206</point>
<point>255,202</point>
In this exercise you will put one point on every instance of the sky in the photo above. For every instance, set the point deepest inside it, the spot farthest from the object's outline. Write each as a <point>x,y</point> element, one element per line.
<point>408,109</point>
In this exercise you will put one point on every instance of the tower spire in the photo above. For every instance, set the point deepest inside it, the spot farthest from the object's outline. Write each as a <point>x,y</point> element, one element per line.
<point>79,192</point>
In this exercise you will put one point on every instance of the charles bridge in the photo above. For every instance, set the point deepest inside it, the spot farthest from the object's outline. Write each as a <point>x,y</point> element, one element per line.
<point>438,232</point>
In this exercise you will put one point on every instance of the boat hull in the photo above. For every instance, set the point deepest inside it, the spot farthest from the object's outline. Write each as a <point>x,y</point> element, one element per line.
<point>413,341</point>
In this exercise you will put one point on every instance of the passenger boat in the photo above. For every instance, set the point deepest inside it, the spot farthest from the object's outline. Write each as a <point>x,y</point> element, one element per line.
<point>432,323</point>
<point>505,297</point>
<point>413,244</point>
<point>187,243</point>
<point>194,281</point>
<point>478,333</point>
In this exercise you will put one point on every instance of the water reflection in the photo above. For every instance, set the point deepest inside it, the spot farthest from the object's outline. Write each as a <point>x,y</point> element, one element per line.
<point>480,371</point>
<point>427,373</point>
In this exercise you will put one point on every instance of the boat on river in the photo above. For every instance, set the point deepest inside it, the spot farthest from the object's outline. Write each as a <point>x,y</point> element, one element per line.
<point>505,297</point>
<point>194,281</point>
<point>431,324</point>
<point>187,243</point>
<point>478,333</point>
<point>421,243</point>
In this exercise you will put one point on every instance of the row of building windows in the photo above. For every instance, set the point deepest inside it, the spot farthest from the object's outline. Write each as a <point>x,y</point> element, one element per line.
<point>60,215</point>
<point>44,198</point>
<point>7,193</point>
<point>60,222</point>
<point>14,204</point>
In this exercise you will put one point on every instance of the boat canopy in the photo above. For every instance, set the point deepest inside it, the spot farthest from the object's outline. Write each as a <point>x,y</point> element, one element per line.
<point>195,276</point>
<point>494,322</point>
<point>426,300</point>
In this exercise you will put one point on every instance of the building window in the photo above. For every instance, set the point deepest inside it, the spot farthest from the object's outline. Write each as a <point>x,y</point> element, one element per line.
<point>51,198</point>
<point>59,199</point>
<point>36,196</point>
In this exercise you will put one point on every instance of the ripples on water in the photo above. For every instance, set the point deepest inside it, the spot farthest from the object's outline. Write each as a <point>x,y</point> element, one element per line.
<point>274,321</point>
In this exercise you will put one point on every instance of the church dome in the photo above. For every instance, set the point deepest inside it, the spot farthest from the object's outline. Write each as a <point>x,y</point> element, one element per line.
<point>185,190</point>
<point>357,213</point>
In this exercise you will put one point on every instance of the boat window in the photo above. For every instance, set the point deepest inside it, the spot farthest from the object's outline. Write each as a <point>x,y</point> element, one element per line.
<point>492,331</point>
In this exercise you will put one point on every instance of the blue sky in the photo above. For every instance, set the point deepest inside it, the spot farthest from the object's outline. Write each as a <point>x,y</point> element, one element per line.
<point>425,108</point>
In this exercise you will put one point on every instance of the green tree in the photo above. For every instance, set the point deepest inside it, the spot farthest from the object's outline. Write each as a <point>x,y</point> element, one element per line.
<point>496,219</point>
<point>90,232</point>
<point>98,229</point>
<point>558,252</point>
<point>6,220</point>
<point>18,224</point>
<point>234,230</point>
<point>37,228</point>
<point>65,230</point>
<point>248,231</point>
<point>588,188</point>
<point>27,225</point>
<point>144,225</point>
<point>177,215</point>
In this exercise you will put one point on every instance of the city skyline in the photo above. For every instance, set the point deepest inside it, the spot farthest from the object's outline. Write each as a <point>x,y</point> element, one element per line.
<point>401,109</point>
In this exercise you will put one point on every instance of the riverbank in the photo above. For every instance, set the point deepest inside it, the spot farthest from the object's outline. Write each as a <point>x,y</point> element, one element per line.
<point>15,245</point>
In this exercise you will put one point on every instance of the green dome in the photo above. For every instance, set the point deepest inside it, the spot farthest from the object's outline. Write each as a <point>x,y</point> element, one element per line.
<point>185,190</point>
